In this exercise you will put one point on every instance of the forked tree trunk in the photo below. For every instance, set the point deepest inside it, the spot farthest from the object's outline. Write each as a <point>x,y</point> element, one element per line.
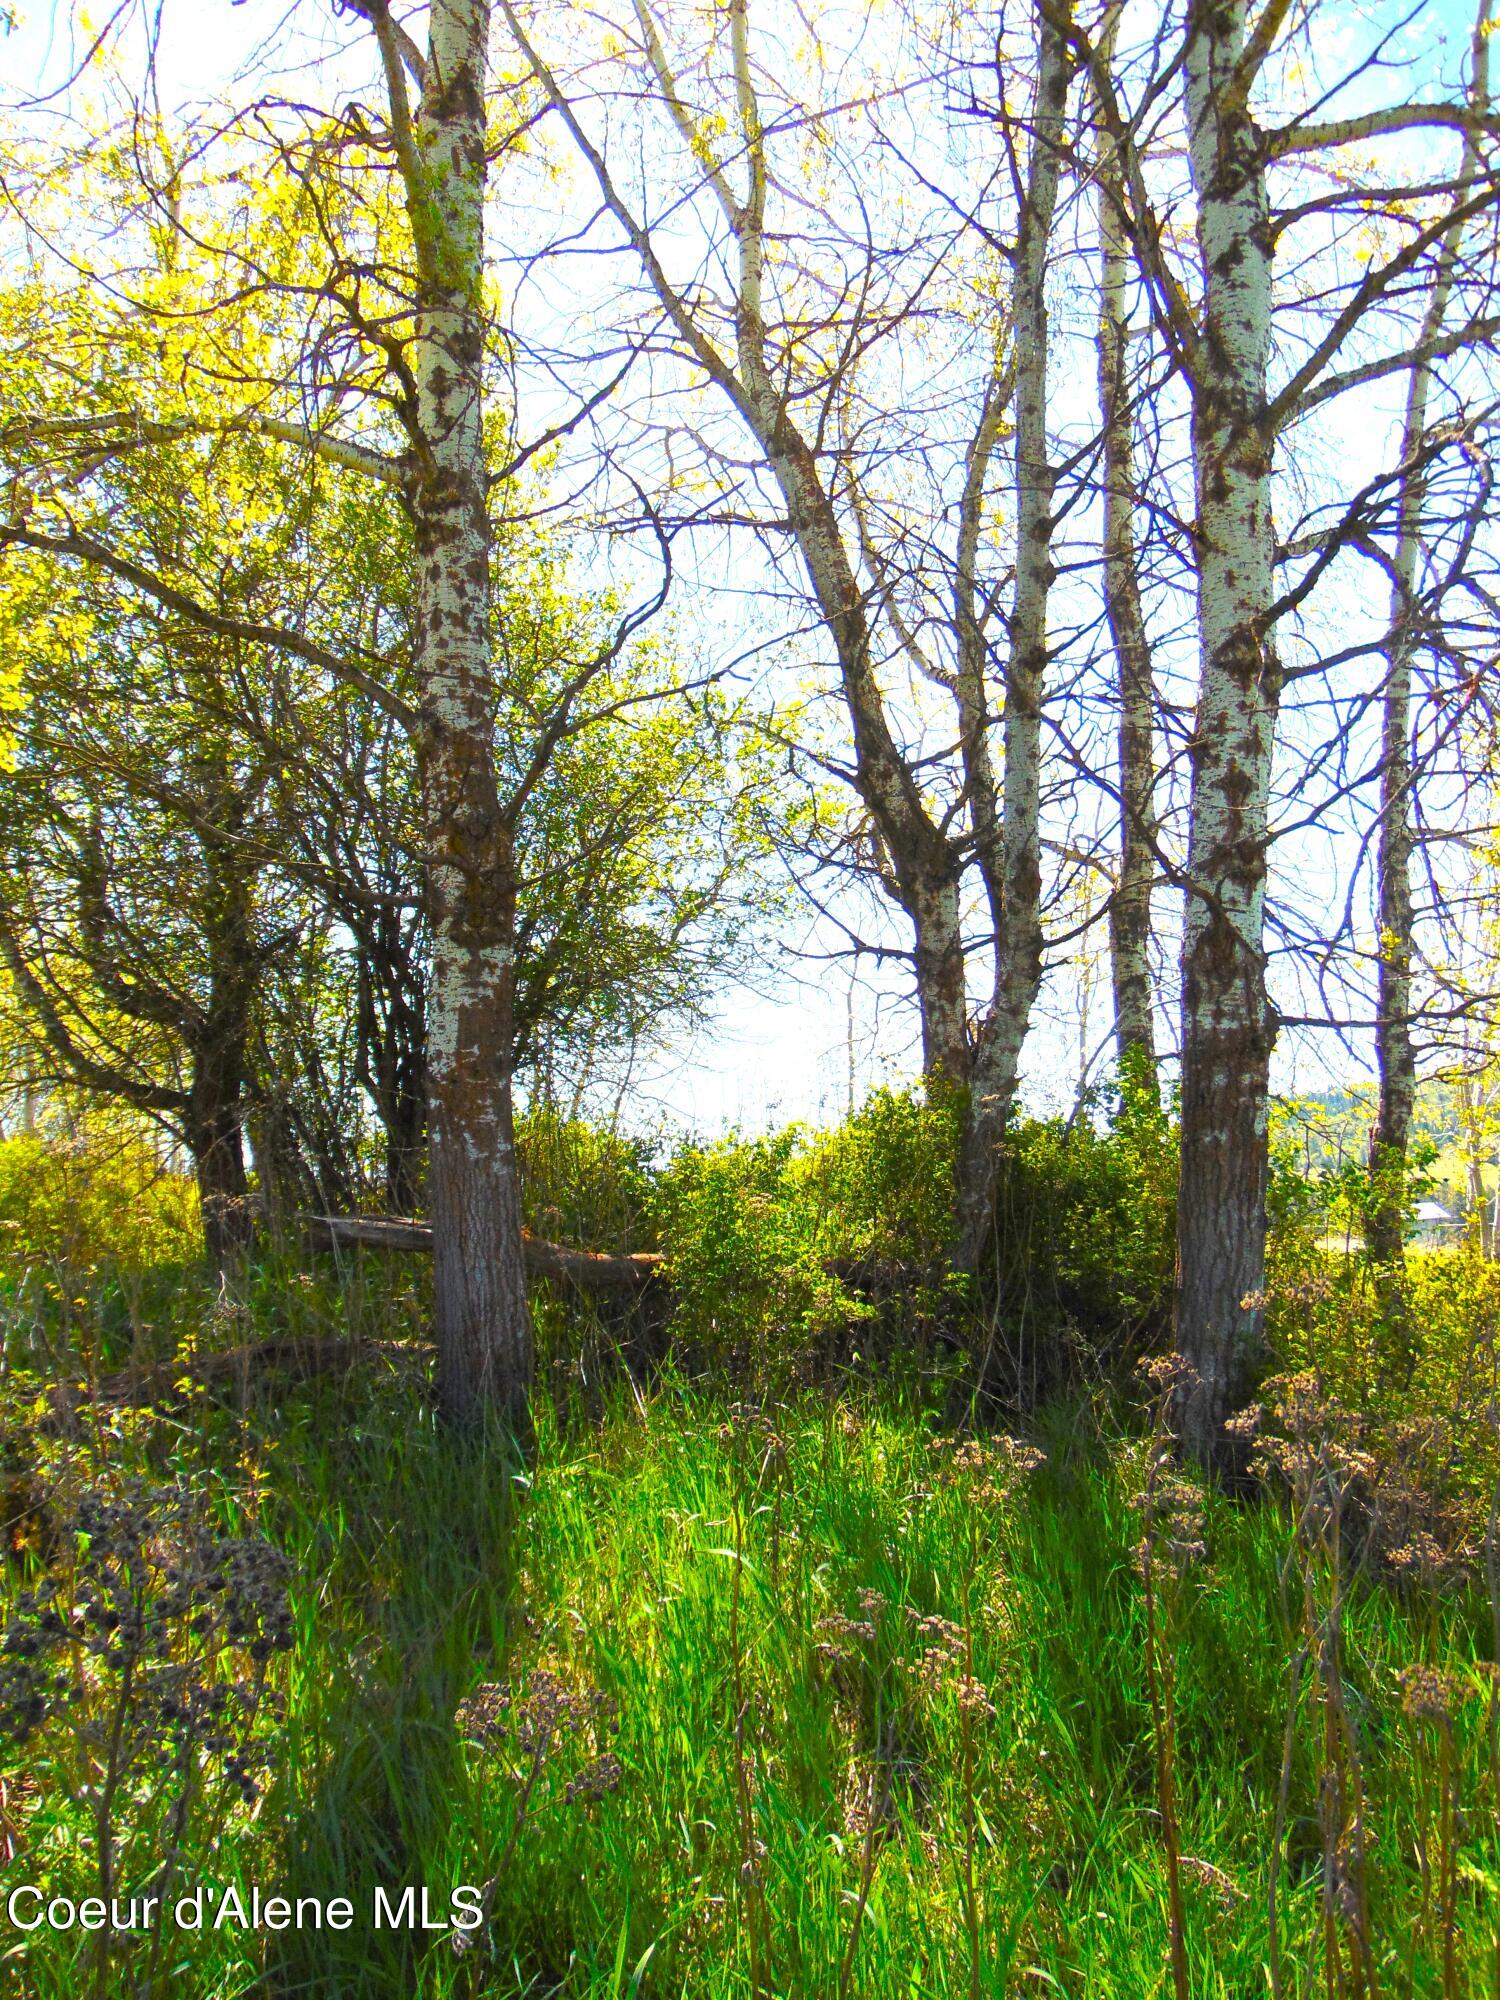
<point>921,860</point>
<point>1130,907</point>
<point>482,1320</point>
<point>1227,1023</point>
<point>1395,1056</point>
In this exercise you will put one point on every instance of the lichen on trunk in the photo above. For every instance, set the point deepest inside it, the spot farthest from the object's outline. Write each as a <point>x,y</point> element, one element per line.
<point>1227,1023</point>
<point>483,1324</point>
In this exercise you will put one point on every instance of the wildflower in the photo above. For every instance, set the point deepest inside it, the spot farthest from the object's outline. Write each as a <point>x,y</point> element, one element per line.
<point>481,1713</point>
<point>944,1667</point>
<point>1166,1373</point>
<point>1246,1424</point>
<point>600,1776</point>
<point>1171,1508</point>
<point>989,1470</point>
<point>1425,1561</point>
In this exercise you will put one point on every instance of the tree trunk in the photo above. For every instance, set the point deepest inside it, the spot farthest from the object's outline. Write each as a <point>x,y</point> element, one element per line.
<point>1130,907</point>
<point>921,861</point>
<point>215,1135</point>
<point>931,898</point>
<point>1395,1057</point>
<point>1228,1027</point>
<point>286,1183</point>
<point>1018,944</point>
<point>482,1320</point>
<point>391,1035</point>
<point>219,1035</point>
<point>405,1124</point>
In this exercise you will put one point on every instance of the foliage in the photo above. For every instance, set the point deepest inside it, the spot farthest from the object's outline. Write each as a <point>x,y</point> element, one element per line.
<point>1424,1406</point>
<point>798,1679</point>
<point>103,1196</point>
<point>583,1185</point>
<point>161,763</point>
<point>751,1227</point>
<point>765,1237</point>
<point>1085,1234</point>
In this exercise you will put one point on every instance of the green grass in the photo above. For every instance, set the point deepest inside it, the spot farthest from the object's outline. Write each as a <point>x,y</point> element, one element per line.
<point>675,1565</point>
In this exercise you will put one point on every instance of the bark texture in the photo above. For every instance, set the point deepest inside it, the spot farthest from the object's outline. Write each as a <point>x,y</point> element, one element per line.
<point>483,1324</point>
<point>1227,1024</point>
<point>215,1133</point>
<point>1018,942</point>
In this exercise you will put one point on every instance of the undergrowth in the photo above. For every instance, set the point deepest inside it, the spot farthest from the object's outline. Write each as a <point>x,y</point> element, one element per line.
<point>762,1676</point>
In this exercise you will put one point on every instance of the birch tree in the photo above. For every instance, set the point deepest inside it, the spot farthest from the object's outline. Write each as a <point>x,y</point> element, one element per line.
<point>373,317</point>
<point>1222,318</point>
<point>440,143</point>
<point>1130,906</point>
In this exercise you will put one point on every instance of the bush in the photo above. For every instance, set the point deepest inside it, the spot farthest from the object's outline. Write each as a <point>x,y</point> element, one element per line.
<point>100,1196</point>
<point>1084,1238</point>
<point>775,1244</point>
<point>582,1185</point>
<point>752,1228</point>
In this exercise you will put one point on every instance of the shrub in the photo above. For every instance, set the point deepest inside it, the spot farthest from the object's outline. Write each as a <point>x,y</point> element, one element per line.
<point>744,1256</point>
<point>753,1228</point>
<point>766,1238</point>
<point>98,1196</point>
<point>1084,1237</point>
<point>583,1185</point>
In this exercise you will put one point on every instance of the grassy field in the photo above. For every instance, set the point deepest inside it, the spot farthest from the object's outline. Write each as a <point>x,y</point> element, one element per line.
<point>811,1699</point>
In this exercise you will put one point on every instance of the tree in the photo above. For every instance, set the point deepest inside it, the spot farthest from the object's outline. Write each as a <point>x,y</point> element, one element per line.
<point>629,785</point>
<point>414,362</point>
<point>1130,905</point>
<point>1218,321</point>
<point>786,336</point>
<point>1395,1051</point>
<point>139,918</point>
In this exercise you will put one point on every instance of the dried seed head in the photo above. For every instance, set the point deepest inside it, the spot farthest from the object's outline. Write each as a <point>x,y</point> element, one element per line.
<point>1429,1694</point>
<point>600,1776</point>
<point>1222,1886</point>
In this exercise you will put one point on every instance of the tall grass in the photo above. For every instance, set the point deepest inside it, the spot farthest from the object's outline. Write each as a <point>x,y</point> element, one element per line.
<point>881,1711</point>
<point>761,1680</point>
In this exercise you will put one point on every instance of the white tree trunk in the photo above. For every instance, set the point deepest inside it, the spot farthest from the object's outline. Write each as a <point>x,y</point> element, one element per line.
<point>1130,907</point>
<point>1227,1023</point>
<point>483,1325</point>
<point>1018,949</point>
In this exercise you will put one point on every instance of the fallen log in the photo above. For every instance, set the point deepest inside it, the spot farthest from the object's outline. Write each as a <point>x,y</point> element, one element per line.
<point>590,1270</point>
<point>597,1270</point>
